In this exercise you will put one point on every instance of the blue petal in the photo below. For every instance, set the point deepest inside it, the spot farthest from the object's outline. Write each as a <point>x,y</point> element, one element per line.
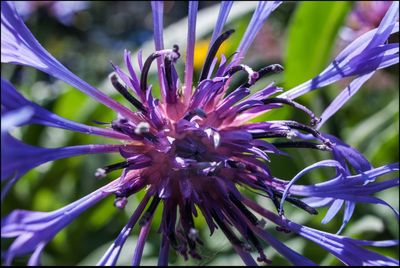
<point>17,117</point>
<point>17,157</point>
<point>19,46</point>
<point>260,15</point>
<point>347,250</point>
<point>343,97</point>
<point>35,229</point>
<point>12,100</point>
<point>111,256</point>
<point>364,55</point>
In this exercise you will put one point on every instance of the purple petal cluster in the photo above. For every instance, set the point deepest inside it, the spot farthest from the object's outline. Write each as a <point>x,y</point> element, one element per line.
<point>192,148</point>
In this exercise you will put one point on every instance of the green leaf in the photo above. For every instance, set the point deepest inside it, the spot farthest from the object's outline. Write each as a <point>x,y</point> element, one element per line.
<point>311,37</point>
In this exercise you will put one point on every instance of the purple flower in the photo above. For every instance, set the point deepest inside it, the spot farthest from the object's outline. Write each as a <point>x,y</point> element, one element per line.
<point>365,16</point>
<point>191,148</point>
<point>63,11</point>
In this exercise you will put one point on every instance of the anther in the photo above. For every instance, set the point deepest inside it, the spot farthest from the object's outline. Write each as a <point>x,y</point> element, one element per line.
<point>270,69</point>
<point>142,127</point>
<point>212,52</point>
<point>310,130</point>
<point>193,234</point>
<point>120,202</point>
<point>198,111</point>
<point>236,164</point>
<point>101,172</point>
<point>124,92</point>
<point>252,75</point>
<point>261,223</point>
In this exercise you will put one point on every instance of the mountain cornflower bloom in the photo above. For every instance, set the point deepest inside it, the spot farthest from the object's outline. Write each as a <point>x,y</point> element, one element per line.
<point>191,149</point>
<point>63,11</point>
<point>365,16</point>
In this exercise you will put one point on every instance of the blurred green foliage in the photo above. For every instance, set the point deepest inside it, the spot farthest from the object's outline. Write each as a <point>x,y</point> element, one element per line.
<point>309,30</point>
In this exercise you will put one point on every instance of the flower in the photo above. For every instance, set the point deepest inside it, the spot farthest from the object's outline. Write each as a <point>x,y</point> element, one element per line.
<point>365,16</point>
<point>190,149</point>
<point>63,11</point>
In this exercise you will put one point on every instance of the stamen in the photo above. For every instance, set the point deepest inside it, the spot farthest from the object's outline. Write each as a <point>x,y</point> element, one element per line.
<point>253,239</point>
<point>145,70</point>
<point>168,72</point>
<point>274,134</point>
<point>228,232</point>
<point>252,75</point>
<point>314,120</point>
<point>236,164</point>
<point>124,92</point>
<point>253,219</point>
<point>168,61</point>
<point>300,204</point>
<point>212,52</point>
<point>297,202</point>
<point>151,58</point>
<point>150,211</point>
<point>302,144</point>
<point>310,130</point>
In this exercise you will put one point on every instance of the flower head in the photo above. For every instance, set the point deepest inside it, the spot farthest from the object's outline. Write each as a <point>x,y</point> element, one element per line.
<point>192,148</point>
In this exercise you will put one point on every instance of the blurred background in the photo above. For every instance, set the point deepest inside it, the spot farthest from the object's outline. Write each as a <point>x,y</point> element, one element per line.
<point>303,37</point>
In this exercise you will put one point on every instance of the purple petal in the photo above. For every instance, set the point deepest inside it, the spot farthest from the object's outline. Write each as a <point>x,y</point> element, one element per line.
<point>19,46</point>
<point>12,100</point>
<point>134,78</point>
